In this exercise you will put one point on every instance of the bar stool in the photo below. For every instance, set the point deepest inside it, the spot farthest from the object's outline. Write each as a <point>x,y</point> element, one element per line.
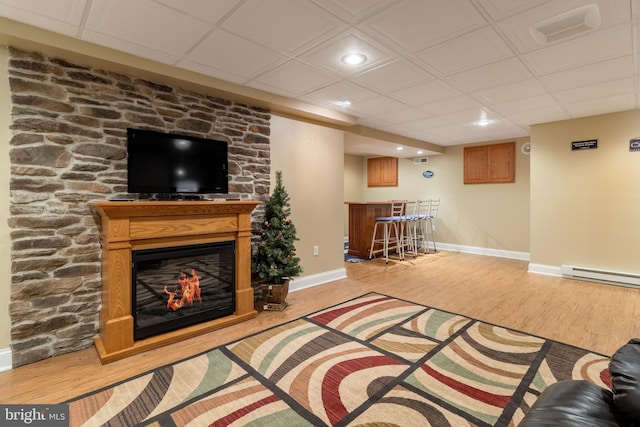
<point>433,213</point>
<point>390,223</point>
<point>420,224</point>
<point>410,227</point>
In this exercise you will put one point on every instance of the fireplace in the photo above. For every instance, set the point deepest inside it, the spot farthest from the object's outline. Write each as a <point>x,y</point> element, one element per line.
<point>146,229</point>
<point>181,286</point>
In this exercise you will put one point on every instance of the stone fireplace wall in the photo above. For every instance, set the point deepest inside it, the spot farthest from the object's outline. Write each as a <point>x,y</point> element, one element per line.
<point>69,148</point>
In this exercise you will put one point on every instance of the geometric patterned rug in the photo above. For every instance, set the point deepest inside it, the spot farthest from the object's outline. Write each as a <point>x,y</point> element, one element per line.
<point>373,360</point>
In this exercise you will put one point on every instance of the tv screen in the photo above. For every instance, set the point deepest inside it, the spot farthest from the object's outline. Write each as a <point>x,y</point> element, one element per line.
<point>163,163</point>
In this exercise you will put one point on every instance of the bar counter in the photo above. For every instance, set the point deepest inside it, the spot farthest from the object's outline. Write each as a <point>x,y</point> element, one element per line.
<point>362,219</point>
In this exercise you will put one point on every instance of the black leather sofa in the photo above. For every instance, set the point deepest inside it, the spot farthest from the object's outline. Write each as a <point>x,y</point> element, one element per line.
<point>579,403</point>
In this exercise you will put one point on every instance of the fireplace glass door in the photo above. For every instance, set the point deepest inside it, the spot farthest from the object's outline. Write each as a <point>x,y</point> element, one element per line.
<point>181,286</point>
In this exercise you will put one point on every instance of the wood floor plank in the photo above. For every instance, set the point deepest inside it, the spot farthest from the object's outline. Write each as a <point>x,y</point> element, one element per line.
<point>590,315</point>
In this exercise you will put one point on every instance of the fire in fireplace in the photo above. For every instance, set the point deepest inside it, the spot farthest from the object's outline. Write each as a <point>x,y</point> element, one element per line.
<point>181,286</point>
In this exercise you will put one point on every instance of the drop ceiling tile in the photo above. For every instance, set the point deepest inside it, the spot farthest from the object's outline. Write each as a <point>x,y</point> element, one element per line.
<point>234,55</point>
<point>342,91</point>
<point>452,105</point>
<point>526,104</point>
<point>615,69</point>
<point>417,24</point>
<point>534,117</point>
<point>206,10</point>
<point>60,16</point>
<point>141,28</point>
<point>393,76</point>
<point>375,122</point>
<point>397,130</point>
<point>492,75</point>
<point>426,123</point>
<point>511,92</point>
<point>508,133</point>
<point>596,91</point>
<point>502,127</point>
<point>425,93</point>
<point>434,139</point>
<point>470,116</point>
<point>288,26</point>
<point>329,54</point>
<point>354,11</point>
<point>471,50</point>
<point>604,105</point>
<point>403,115</point>
<point>595,47</point>
<point>500,9</point>
<point>376,106</point>
<point>295,77</point>
<point>459,133</point>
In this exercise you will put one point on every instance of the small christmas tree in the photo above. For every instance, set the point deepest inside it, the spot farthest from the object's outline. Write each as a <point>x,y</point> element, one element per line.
<point>275,259</point>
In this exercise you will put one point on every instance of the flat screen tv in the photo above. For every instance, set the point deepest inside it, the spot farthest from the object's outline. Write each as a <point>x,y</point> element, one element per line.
<point>168,165</point>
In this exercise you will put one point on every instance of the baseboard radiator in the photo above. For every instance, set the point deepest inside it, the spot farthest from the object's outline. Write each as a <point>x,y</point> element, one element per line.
<point>603,276</point>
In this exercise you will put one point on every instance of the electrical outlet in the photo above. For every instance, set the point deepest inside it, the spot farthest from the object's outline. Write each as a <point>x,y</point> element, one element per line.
<point>316,251</point>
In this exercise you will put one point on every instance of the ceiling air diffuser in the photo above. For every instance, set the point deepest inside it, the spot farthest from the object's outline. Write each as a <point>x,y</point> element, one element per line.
<point>567,24</point>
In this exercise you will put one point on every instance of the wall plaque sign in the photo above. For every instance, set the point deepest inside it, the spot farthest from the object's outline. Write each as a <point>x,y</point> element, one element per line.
<point>634,144</point>
<point>588,144</point>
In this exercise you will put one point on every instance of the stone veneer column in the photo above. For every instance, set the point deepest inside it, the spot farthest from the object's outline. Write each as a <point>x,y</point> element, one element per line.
<point>68,148</point>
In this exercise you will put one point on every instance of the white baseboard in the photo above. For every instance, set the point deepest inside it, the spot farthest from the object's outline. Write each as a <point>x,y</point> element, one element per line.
<point>523,256</point>
<point>548,270</point>
<point>317,279</point>
<point>5,359</point>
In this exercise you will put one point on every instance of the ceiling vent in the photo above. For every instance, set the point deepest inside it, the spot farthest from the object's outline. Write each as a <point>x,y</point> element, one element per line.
<point>567,24</point>
<point>420,160</point>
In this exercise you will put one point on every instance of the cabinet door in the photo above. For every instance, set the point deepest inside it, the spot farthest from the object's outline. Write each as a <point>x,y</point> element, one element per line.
<point>476,165</point>
<point>489,164</point>
<point>382,172</point>
<point>501,158</point>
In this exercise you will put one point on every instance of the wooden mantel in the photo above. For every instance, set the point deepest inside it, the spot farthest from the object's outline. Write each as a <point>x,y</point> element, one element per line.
<point>136,225</point>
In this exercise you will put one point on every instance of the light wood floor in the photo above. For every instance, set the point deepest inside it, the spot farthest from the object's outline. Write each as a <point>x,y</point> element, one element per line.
<point>496,290</point>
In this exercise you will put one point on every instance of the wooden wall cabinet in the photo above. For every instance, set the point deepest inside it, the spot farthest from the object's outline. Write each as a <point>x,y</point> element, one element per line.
<point>382,172</point>
<point>490,164</point>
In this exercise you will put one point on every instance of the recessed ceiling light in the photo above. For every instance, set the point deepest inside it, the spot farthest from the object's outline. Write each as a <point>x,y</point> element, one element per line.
<point>399,148</point>
<point>420,151</point>
<point>342,104</point>
<point>354,59</point>
<point>483,122</point>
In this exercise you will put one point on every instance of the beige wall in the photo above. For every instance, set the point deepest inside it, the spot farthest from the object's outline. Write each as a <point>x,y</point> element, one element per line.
<point>585,205</point>
<point>312,161</point>
<point>354,185</point>
<point>488,216</point>
<point>5,242</point>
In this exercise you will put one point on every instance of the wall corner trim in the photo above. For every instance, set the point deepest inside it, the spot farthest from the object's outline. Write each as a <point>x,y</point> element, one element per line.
<point>5,359</point>
<point>549,270</point>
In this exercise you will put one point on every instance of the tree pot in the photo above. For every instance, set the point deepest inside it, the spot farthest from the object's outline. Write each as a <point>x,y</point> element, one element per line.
<point>275,294</point>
